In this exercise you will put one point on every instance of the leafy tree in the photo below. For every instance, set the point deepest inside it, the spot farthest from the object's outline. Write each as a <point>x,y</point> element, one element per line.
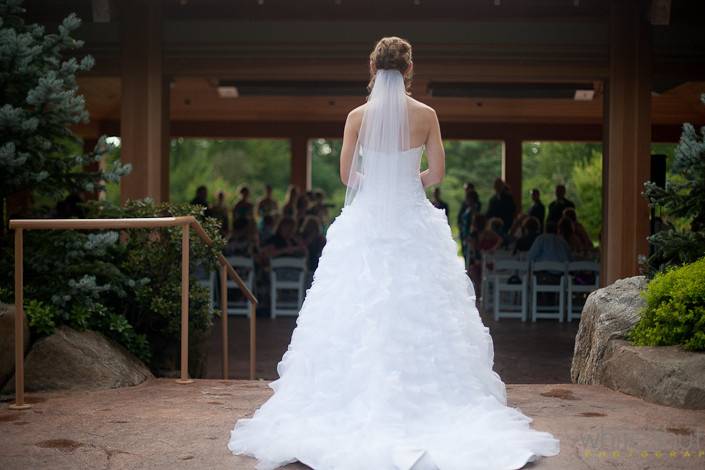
<point>40,103</point>
<point>578,166</point>
<point>683,197</point>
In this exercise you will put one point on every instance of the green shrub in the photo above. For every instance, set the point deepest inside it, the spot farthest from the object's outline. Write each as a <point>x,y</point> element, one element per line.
<point>675,309</point>
<point>40,317</point>
<point>128,288</point>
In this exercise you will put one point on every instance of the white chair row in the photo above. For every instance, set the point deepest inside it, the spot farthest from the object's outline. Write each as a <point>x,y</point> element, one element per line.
<point>287,276</point>
<point>519,278</point>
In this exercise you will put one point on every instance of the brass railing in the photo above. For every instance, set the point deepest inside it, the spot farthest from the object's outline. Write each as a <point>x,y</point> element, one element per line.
<point>186,222</point>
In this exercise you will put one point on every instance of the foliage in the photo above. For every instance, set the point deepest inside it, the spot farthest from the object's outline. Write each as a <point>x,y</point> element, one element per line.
<point>225,165</point>
<point>40,102</point>
<point>675,309</point>
<point>576,165</point>
<point>682,198</point>
<point>40,317</point>
<point>128,288</point>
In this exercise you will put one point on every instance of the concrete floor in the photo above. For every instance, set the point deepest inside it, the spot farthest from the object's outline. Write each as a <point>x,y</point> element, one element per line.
<point>538,353</point>
<point>163,425</point>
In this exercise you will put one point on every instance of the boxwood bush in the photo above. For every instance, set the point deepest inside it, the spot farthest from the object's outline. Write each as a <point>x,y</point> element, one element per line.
<point>675,309</point>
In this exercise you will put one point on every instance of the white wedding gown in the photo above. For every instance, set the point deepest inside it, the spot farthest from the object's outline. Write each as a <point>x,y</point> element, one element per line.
<point>390,366</point>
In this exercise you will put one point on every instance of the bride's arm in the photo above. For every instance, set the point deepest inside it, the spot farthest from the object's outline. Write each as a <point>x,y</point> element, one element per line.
<point>435,154</point>
<point>352,128</point>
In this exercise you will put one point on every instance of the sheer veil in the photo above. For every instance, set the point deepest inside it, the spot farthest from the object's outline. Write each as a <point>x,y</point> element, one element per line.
<point>383,135</point>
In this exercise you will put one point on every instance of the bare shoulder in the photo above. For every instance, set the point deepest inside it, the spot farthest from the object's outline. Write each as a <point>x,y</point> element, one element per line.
<point>356,113</point>
<point>420,108</point>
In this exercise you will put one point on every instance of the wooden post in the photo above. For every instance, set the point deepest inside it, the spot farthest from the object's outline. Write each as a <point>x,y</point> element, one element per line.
<point>224,314</point>
<point>184,304</point>
<point>512,170</point>
<point>19,324</point>
<point>144,115</point>
<point>253,339</point>
<point>629,139</point>
<point>301,163</point>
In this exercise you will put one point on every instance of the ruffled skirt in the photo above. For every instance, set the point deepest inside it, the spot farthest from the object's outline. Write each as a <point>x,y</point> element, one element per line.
<point>390,366</point>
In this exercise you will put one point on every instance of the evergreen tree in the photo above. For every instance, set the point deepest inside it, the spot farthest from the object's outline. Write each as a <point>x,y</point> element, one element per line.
<point>683,198</point>
<point>39,104</point>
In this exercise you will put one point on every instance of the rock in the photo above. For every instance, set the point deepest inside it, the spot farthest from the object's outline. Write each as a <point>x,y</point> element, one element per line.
<point>7,341</point>
<point>70,359</point>
<point>609,313</point>
<point>667,375</point>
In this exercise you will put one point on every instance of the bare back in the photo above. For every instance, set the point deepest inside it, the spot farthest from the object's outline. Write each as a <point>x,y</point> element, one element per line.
<point>424,129</point>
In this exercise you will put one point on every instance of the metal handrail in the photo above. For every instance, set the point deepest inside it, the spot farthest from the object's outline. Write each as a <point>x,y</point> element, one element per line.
<point>186,222</point>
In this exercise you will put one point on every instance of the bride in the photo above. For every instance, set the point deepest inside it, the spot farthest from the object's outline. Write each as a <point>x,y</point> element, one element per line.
<point>390,366</point>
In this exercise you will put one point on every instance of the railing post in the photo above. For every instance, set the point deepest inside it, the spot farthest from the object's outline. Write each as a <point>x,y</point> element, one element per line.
<point>224,315</point>
<point>253,339</point>
<point>19,324</point>
<point>184,303</point>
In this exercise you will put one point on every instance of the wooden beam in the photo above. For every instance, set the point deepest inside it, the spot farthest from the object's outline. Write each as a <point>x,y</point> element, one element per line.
<point>629,140</point>
<point>144,113</point>
<point>451,130</point>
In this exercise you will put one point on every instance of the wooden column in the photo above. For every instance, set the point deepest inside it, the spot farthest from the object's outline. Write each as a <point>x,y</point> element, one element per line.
<point>628,127</point>
<point>511,168</point>
<point>301,163</point>
<point>144,118</point>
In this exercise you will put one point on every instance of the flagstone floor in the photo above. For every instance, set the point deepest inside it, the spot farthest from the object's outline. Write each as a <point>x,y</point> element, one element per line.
<point>164,425</point>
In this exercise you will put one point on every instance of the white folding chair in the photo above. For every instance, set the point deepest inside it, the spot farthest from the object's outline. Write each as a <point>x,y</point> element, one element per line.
<point>576,268</point>
<point>207,279</point>
<point>504,271</point>
<point>487,282</point>
<point>287,273</point>
<point>486,260</point>
<point>547,311</point>
<point>245,267</point>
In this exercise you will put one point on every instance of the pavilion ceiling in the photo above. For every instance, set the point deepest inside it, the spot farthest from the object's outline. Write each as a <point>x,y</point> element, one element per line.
<point>458,43</point>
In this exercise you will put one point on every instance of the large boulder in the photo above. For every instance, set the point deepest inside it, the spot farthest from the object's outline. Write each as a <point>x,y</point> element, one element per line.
<point>70,359</point>
<point>667,375</point>
<point>609,313</point>
<point>7,341</point>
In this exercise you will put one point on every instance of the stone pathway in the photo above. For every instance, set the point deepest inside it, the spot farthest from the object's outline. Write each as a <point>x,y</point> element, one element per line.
<point>163,425</point>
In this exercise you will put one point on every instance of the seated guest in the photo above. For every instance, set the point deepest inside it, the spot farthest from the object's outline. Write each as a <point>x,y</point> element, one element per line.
<point>491,239</point>
<point>549,246</point>
<point>517,229</point>
<point>584,240</point>
<point>267,227</point>
<point>473,256</point>
<point>530,231</point>
<point>319,208</point>
<point>313,238</point>
<point>242,241</point>
<point>301,209</point>
<point>285,241</point>
<point>566,232</point>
